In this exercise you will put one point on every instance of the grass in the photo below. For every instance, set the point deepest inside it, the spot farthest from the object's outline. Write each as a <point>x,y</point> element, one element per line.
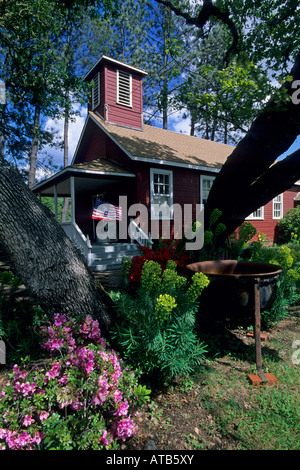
<point>264,418</point>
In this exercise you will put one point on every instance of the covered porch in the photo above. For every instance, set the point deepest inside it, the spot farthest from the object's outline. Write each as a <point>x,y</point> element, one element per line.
<point>82,183</point>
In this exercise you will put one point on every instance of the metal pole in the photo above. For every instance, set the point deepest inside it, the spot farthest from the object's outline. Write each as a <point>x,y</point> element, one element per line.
<point>55,202</point>
<point>257,331</point>
<point>72,184</point>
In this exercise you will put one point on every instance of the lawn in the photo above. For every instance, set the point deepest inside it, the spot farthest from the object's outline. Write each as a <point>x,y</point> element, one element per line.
<point>218,408</point>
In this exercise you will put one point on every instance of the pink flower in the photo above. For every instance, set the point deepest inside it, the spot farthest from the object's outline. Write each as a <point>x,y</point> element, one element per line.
<point>23,440</point>
<point>122,409</point>
<point>44,415</point>
<point>63,380</point>
<point>18,373</point>
<point>102,392</point>
<point>38,437</point>
<point>125,428</point>
<point>26,388</point>
<point>59,319</point>
<point>117,396</point>
<point>104,439</point>
<point>28,420</point>
<point>55,370</point>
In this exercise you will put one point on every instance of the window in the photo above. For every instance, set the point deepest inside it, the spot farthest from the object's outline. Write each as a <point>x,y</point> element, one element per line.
<point>206,183</point>
<point>161,190</point>
<point>277,207</point>
<point>257,215</point>
<point>96,91</point>
<point>124,88</point>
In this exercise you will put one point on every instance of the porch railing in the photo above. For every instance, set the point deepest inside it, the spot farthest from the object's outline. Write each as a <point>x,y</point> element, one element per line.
<point>82,242</point>
<point>138,235</point>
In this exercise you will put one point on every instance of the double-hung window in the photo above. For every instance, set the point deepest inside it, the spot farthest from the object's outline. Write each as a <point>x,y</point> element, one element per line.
<point>278,207</point>
<point>257,215</point>
<point>206,183</point>
<point>161,194</point>
<point>96,91</point>
<point>124,88</point>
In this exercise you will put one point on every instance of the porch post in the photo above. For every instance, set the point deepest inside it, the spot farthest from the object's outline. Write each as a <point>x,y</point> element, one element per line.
<point>72,185</point>
<point>55,202</point>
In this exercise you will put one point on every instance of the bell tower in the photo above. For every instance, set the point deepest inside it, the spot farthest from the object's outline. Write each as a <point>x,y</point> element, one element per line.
<point>117,92</point>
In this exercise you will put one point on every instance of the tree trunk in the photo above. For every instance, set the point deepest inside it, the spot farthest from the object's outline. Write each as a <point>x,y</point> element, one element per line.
<point>34,146</point>
<point>43,256</point>
<point>2,130</point>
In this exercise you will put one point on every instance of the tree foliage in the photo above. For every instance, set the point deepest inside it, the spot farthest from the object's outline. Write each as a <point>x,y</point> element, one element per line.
<point>267,34</point>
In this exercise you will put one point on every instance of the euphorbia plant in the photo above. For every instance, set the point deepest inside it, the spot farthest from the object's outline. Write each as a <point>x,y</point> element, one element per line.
<point>82,397</point>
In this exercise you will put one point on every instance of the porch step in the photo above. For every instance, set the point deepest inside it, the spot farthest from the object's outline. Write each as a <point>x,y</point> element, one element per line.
<point>109,256</point>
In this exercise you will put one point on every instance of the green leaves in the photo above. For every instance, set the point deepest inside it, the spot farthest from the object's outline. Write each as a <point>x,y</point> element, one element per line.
<point>156,327</point>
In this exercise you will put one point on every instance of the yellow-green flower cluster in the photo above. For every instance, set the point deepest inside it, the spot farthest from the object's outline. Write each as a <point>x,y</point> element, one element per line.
<point>165,305</point>
<point>294,237</point>
<point>172,280</point>
<point>283,257</point>
<point>151,276</point>
<point>293,275</point>
<point>199,282</point>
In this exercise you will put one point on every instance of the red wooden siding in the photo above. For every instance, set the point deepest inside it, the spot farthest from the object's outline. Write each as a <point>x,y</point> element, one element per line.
<point>95,146</point>
<point>115,113</point>
<point>120,114</point>
<point>268,225</point>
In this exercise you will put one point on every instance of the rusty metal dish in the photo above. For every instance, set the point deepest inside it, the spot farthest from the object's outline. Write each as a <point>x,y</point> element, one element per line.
<point>245,269</point>
<point>237,285</point>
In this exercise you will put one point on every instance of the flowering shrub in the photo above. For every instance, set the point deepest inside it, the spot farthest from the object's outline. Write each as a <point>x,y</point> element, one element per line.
<point>82,398</point>
<point>156,328</point>
<point>132,269</point>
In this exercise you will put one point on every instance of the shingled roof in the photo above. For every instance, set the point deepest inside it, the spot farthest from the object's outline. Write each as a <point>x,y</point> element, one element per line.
<point>154,143</point>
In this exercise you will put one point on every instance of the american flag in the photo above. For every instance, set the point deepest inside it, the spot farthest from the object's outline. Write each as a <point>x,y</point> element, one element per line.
<point>106,211</point>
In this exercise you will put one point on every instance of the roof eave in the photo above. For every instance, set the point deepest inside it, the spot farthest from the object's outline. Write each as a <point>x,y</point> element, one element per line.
<point>115,62</point>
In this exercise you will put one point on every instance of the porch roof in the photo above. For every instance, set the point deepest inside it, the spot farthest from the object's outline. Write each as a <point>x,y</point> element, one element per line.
<point>98,172</point>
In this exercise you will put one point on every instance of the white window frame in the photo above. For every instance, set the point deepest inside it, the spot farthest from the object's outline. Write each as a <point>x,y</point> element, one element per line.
<point>276,201</point>
<point>202,178</point>
<point>158,171</point>
<point>119,99</point>
<point>96,85</point>
<point>254,215</point>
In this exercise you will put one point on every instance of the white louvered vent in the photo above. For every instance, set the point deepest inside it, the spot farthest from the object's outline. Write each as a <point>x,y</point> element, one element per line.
<point>124,88</point>
<point>96,91</point>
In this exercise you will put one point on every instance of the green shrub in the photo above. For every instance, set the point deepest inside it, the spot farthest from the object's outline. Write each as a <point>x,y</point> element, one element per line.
<point>288,258</point>
<point>289,226</point>
<point>156,328</point>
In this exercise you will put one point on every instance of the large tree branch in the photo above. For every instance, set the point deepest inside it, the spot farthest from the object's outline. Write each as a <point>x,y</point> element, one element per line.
<point>279,178</point>
<point>207,11</point>
<point>249,170</point>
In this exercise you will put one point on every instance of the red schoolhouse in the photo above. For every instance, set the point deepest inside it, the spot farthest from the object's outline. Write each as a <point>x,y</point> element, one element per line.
<point>119,156</point>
